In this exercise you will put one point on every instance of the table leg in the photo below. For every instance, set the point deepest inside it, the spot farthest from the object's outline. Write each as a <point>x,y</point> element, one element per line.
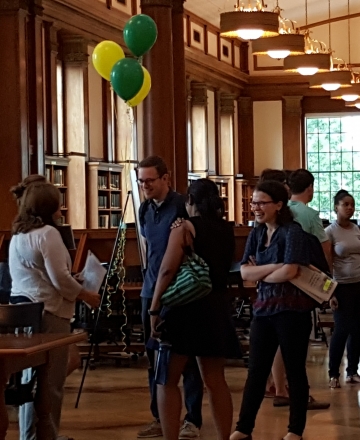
<point>4,419</point>
<point>45,428</point>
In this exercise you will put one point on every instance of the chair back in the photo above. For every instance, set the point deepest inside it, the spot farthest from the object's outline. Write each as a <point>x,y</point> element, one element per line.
<point>15,318</point>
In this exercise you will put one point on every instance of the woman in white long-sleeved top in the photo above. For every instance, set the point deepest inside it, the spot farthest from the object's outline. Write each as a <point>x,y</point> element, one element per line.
<point>40,268</point>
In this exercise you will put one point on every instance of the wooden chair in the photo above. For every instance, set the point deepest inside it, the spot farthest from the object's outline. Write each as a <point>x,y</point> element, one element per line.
<point>20,318</point>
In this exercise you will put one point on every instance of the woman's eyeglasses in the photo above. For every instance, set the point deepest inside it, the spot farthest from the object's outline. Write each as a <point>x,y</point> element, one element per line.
<point>260,204</point>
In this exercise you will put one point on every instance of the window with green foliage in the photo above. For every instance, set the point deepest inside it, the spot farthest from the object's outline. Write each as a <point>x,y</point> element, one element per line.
<point>333,156</point>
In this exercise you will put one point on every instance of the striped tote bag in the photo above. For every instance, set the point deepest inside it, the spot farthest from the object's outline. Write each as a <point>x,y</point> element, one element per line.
<point>192,282</point>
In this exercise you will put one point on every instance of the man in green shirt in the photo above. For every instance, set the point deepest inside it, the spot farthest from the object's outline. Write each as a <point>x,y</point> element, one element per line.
<point>301,183</point>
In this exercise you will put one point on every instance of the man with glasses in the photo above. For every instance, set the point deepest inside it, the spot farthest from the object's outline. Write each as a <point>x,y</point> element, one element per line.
<point>157,213</point>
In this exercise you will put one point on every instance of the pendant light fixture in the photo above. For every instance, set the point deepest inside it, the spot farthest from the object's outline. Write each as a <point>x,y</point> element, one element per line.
<point>353,104</point>
<point>331,81</point>
<point>288,42</point>
<point>352,93</point>
<point>340,77</point>
<point>316,58</point>
<point>249,22</point>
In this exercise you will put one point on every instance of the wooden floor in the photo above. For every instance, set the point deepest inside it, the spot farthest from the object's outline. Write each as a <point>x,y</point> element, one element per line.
<point>114,404</point>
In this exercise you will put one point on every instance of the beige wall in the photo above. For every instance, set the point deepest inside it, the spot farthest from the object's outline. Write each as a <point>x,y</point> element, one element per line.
<point>199,138</point>
<point>268,144</point>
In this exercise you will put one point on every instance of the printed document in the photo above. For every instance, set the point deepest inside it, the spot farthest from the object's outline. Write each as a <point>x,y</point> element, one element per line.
<point>92,274</point>
<point>314,283</point>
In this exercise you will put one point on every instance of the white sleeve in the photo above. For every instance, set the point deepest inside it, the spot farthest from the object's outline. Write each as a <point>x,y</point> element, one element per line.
<point>55,257</point>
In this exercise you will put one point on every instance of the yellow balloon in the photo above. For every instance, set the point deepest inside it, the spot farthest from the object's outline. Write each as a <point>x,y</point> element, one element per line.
<point>105,55</point>
<point>144,91</point>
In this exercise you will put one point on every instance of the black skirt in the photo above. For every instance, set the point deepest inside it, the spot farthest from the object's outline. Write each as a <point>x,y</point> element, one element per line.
<point>202,328</point>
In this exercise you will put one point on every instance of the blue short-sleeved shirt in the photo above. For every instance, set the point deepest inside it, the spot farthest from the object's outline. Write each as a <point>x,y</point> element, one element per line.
<point>288,245</point>
<point>155,222</point>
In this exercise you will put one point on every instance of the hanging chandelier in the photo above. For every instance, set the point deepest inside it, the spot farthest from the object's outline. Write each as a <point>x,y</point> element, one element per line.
<point>331,81</point>
<point>353,104</point>
<point>338,78</point>
<point>349,94</point>
<point>279,47</point>
<point>288,42</point>
<point>316,58</point>
<point>249,21</point>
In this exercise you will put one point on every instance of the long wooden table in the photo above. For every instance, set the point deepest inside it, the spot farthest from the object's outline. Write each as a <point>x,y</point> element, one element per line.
<point>20,352</point>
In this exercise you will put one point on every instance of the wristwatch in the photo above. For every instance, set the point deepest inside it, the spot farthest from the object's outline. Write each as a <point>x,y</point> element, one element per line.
<point>154,312</point>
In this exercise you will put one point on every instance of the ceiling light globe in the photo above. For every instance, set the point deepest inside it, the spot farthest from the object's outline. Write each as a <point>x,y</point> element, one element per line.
<point>350,97</point>
<point>330,87</point>
<point>278,54</point>
<point>250,34</point>
<point>307,70</point>
<point>357,105</point>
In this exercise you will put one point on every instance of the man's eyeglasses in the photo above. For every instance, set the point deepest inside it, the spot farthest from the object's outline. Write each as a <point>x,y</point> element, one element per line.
<point>147,181</point>
<point>260,204</point>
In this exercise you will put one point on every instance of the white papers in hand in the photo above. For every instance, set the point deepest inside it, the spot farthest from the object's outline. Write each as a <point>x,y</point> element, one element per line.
<point>92,274</point>
<point>314,283</point>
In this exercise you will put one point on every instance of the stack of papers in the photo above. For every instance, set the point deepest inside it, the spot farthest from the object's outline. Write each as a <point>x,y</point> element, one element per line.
<point>315,283</point>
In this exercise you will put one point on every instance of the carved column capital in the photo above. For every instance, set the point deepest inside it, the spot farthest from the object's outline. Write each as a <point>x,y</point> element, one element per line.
<point>292,105</point>
<point>74,49</point>
<point>245,106</point>
<point>166,3</point>
<point>198,94</point>
<point>32,6</point>
<point>227,103</point>
<point>178,6</point>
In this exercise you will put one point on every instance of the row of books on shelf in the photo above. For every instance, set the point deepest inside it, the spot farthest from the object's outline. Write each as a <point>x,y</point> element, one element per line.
<point>222,190</point>
<point>114,182</point>
<point>58,176</point>
<point>114,219</point>
<point>62,199</point>
<point>114,201</point>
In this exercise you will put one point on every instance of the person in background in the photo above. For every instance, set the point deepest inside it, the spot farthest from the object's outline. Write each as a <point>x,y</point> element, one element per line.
<point>282,312</point>
<point>202,328</point>
<point>157,213</point>
<point>301,184</point>
<point>19,189</point>
<point>40,268</point>
<point>344,237</point>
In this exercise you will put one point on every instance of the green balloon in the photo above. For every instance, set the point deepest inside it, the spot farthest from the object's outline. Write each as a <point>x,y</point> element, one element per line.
<point>140,34</point>
<point>126,78</point>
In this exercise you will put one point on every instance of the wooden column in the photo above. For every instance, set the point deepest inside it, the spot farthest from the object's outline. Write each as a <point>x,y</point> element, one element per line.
<point>159,105</point>
<point>36,91</point>
<point>246,137</point>
<point>76,109</point>
<point>292,119</point>
<point>181,165</point>
<point>51,109</point>
<point>199,153</point>
<point>14,130</point>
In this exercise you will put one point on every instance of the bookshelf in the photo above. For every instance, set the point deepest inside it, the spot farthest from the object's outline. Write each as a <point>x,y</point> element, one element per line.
<point>56,173</point>
<point>104,195</point>
<point>244,190</point>
<point>225,185</point>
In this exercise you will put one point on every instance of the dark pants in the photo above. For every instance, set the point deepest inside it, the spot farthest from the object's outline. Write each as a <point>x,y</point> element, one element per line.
<point>347,328</point>
<point>290,330</point>
<point>192,381</point>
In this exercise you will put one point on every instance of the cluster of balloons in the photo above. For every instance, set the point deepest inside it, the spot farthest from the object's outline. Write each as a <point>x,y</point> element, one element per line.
<point>130,80</point>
